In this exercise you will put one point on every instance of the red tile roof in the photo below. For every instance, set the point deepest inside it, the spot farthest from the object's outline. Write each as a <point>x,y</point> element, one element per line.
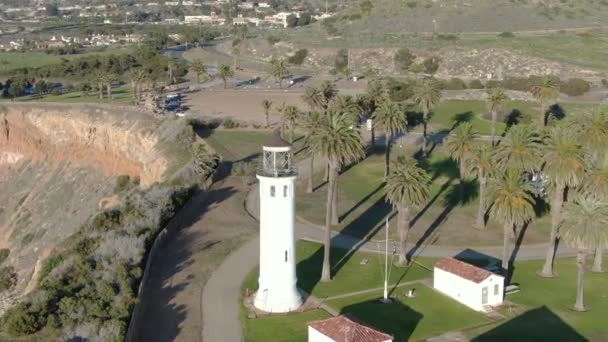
<point>463,269</point>
<point>344,329</point>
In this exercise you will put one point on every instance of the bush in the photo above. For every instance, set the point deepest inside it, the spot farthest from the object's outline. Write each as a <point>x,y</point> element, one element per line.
<point>56,92</point>
<point>8,278</point>
<point>491,84</point>
<point>122,183</point>
<point>431,65</point>
<point>229,124</point>
<point>399,91</point>
<point>605,83</point>
<point>475,84</point>
<point>447,37</point>
<point>404,59</point>
<point>272,39</point>
<point>454,83</point>
<point>575,87</point>
<point>4,253</point>
<point>19,321</point>
<point>506,35</point>
<point>298,57</point>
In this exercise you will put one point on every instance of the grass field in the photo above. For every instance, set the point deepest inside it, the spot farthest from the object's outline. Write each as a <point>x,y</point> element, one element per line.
<point>33,59</point>
<point>288,328</point>
<point>120,94</point>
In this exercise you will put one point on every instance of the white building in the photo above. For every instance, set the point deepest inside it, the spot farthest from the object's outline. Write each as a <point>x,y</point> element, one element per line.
<point>344,329</point>
<point>470,285</point>
<point>277,291</point>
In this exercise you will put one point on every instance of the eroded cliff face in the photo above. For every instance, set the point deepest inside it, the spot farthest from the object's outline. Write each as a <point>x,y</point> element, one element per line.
<point>114,140</point>
<point>58,165</point>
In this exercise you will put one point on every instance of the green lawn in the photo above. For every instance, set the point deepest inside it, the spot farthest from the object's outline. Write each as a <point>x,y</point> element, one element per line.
<point>348,274</point>
<point>429,313</point>
<point>444,221</point>
<point>34,59</point>
<point>120,94</point>
<point>547,303</point>
<point>288,328</point>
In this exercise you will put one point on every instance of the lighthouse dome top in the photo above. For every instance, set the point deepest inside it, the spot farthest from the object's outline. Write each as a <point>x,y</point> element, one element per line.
<point>277,144</point>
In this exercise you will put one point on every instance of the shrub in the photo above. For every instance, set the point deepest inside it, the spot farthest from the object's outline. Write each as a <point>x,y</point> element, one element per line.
<point>454,83</point>
<point>605,83</point>
<point>19,321</point>
<point>575,87</point>
<point>341,61</point>
<point>506,35</point>
<point>122,183</point>
<point>8,278</point>
<point>298,57</point>
<point>404,59</point>
<point>27,238</point>
<point>475,84</point>
<point>272,39</point>
<point>446,37</point>
<point>431,65</point>
<point>493,84</point>
<point>229,124</point>
<point>56,92</point>
<point>4,253</point>
<point>399,91</point>
<point>411,4</point>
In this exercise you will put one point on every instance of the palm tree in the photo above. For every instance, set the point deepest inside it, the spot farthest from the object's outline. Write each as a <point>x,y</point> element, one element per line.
<point>225,72</point>
<point>406,187</point>
<point>427,95</point>
<point>291,114</point>
<point>267,105</point>
<point>99,79</point>
<point>481,163</point>
<point>313,98</point>
<point>340,144</point>
<point>279,70</point>
<point>137,76</point>
<point>521,149</point>
<point>205,161</point>
<point>311,123</point>
<point>109,79</point>
<point>546,93</point>
<point>347,105</point>
<point>392,120</point>
<point>328,93</point>
<point>236,52</point>
<point>496,99</point>
<point>563,168</point>
<point>592,128</point>
<point>584,227</point>
<point>375,95</point>
<point>171,64</point>
<point>595,186</point>
<point>200,69</point>
<point>460,146</point>
<point>512,205</point>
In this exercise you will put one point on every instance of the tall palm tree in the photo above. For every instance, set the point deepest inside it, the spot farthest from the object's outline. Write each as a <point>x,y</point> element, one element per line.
<point>521,148</point>
<point>392,120</point>
<point>584,227</point>
<point>347,105</point>
<point>109,79</point>
<point>376,93</point>
<point>225,72</point>
<point>427,95</point>
<point>481,163</point>
<point>496,100</point>
<point>592,128</point>
<point>545,93</point>
<point>200,69</point>
<point>313,98</point>
<point>278,70</point>
<point>407,187</point>
<point>311,124</point>
<point>340,144</point>
<point>564,168</point>
<point>98,78</point>
<point>138,76</point>
<point>267,105</point>
<point>460,145</point>
<point>291,114</point>
<point>512,205</point>
<point>595,186</point>
<point>328,93</point>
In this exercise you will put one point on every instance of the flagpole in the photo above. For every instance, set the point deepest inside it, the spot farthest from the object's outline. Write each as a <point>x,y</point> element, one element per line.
<point>386,264</point>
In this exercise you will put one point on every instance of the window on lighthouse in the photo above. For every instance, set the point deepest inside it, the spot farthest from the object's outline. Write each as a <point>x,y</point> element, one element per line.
<point>285,191</point>
<point>285,256</point>
<point>272,191</point>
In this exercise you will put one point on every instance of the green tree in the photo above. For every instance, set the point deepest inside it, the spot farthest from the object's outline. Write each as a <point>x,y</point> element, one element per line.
<point>291,115</point>
<point>391,119</point>
<point>481,163</point>
<point>521,148</point>
<point>564,168</point>
<point>225,72</point>
<point>98,78</point>
<point>200,69</point>
<point>427,95</point>
<point>545,93</point>
<point>347,105</point>
<point>595,186</point>
<point>496,100</point>
<point>512,205</point>
<point>366,7</point>
<point>138,77</point>
<point>375,94</point>
<point>205,161</point>
<point>407,187</point>
<point>404,59</point>
<point>336,141</point>
<point>278,70</point>
<point>311,124</point>
<point>584,227</point>
<point>109,79</point>
<point>267,105</point>
<point>460,145</point>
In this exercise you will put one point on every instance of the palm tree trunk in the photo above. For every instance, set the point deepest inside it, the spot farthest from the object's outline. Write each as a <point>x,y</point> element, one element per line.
<point>267,113</point>
<point>109,90</point>
<point>556,208</point>
<point>581,257</point>
<point>481,211</point>
<point>543,122</point>
<point>309,187</point>
<point>494,117</point>
<point>508,229</point>
<point>424,138</point>
<point>326,271</point>
<point>597,261</point>
<point>100,88</point>
<point>334,204</point>
<point>225,83</point>
<point>461,181</point>
<point>403,226</point>
<point>291,133</point>
<point>387,154</point>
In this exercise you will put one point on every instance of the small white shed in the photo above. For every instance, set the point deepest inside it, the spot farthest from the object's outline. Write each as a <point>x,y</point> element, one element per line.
<point>471,285</point>
<point>344,329</point>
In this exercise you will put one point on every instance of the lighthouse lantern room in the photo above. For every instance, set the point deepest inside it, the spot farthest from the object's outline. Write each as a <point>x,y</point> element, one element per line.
<point>277,291</point>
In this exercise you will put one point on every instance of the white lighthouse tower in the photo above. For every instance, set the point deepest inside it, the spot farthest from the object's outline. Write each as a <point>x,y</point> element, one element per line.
<point>277,291</point>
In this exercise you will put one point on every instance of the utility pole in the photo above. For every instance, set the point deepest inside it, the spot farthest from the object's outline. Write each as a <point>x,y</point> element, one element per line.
<point>386,264</point>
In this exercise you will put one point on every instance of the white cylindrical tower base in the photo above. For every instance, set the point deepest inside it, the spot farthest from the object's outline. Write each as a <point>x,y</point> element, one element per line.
<point>277,291</point>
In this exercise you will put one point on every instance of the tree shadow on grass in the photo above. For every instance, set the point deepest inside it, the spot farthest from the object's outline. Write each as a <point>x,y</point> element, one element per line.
<point>394,318</point>
<point>309,269</point>
<point>461,118</point>
<point>525,327</point>
<point>362,201</point>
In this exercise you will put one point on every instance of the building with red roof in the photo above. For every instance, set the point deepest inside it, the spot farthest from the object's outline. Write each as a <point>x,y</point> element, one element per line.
<point>473,286</point>
<point>344,329</point>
